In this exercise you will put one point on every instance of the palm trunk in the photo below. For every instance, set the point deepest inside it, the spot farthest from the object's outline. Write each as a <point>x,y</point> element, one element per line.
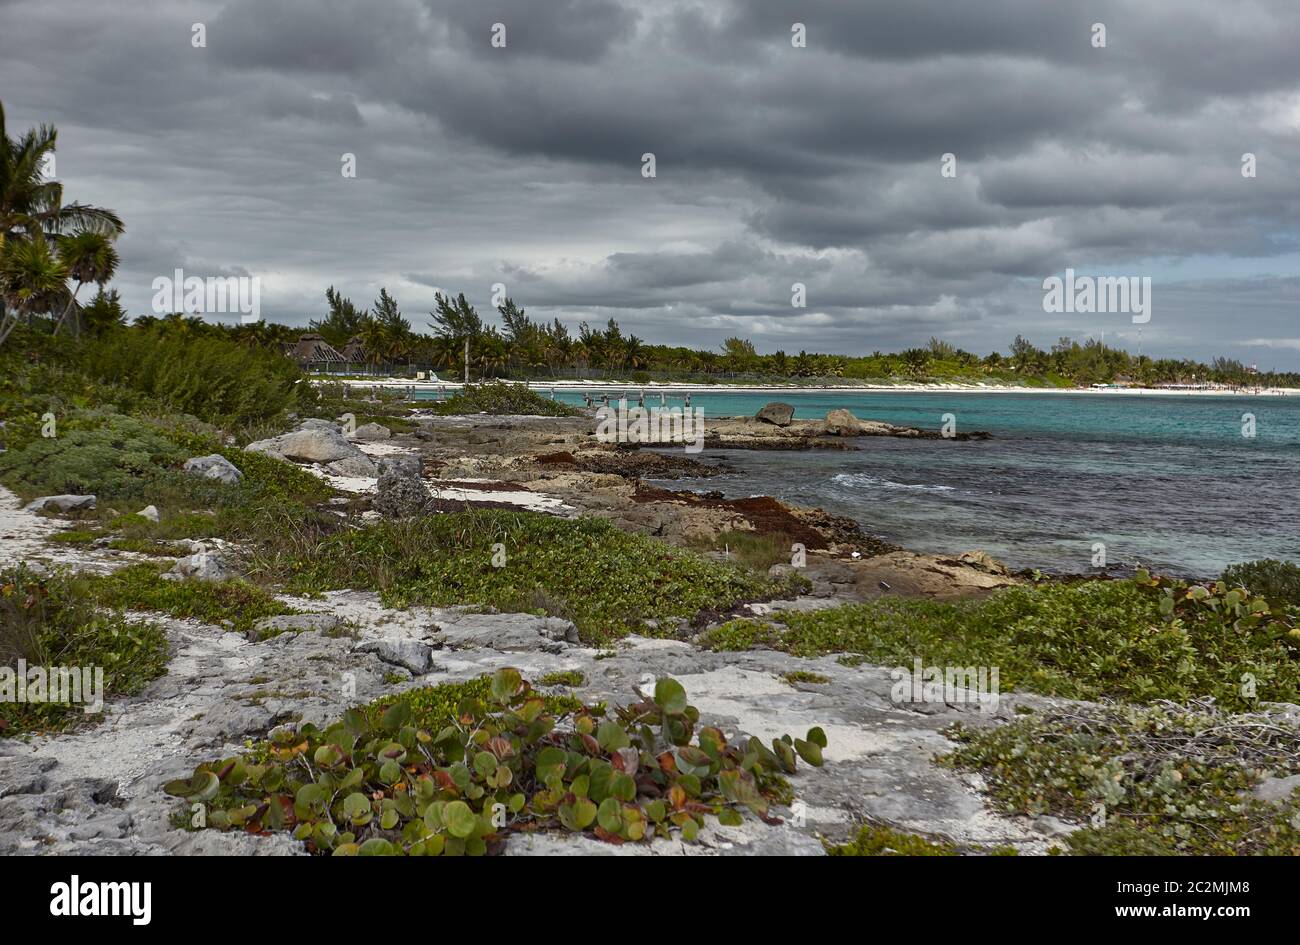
<point>72,300</point>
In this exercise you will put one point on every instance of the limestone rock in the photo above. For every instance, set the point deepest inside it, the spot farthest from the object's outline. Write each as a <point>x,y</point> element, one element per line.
<point>312,445</point>
<point>204,566</point>
<point>269,627</point>
<point>372,431</point>
<point>408,654</point>
<point>354,466</point>
<point>400,495</point>
<point>150,512</point>
<point>776,413</point>
<point>841,422</point>
<point>507,632</point>
<point>61,503</point>
<point>213,466</point>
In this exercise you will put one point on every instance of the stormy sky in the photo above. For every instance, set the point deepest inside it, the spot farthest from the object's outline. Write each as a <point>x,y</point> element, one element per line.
<point>522,165</point>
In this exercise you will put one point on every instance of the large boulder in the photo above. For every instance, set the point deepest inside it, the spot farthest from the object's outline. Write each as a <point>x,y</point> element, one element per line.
<point>214,466</point>
<point>61,503</point>
<point>361,466</point>
<point>316,423</point>
<point>406,464</point>
<point>313,445</point>
<point>372,431</point>
<point>841,422</point>
<point>777,413</point>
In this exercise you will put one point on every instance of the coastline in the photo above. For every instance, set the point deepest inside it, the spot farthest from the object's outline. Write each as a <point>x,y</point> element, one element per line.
<point>590,386</point>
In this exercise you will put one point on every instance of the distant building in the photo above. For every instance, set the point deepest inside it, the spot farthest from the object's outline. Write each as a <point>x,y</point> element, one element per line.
<point>314,353</point>
<point>354,352</point>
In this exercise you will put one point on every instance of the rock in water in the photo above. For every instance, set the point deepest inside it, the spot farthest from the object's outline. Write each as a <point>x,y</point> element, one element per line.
<point>312,445</point>
<point>841,422</point>
<point>61,503</point>
<point>777,413</point>
<point>214,466</point>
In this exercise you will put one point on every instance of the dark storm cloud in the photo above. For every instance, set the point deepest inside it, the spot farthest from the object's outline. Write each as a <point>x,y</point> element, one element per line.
<point>478,165</point>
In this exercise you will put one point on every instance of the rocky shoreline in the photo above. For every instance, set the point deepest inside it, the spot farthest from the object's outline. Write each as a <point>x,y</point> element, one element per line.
<point>97,789</point>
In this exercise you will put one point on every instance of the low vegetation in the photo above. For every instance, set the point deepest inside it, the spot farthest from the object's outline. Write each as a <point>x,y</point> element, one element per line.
<point>587,570</point>
<point>1139,640</point>
<point>1159,780</point>
<point>235,604</point>
<point>1276,581</point>
<point>56,620</point>
<point>501,398</point>
<point>874,840</point>
<point>458,768</point>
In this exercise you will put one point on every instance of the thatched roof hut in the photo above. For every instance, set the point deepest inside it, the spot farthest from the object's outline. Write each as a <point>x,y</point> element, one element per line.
<point>312,350</point>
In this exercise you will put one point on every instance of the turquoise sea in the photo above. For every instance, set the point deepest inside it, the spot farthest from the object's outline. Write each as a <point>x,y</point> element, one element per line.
<point>1165,481</point>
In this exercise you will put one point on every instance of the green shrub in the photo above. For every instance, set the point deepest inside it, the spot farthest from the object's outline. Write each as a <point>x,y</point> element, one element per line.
<point>140,587</point>
<point>54,621</point>
<point>460,769</point>
<point>605,580</point>
<point>499,397</point>
<point>199,372</point>
<point>1139,640</point>
<point>118,458</point>
<point>1277,581</point>
<point>1165,780</point>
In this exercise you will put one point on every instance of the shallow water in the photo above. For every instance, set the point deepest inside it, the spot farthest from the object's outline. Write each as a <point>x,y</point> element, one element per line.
<point>1165,481</point>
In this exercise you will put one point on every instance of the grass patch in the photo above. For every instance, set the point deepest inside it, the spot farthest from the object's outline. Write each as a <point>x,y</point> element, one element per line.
<point>803,676</point>
<point>569,677</point>
<point>54,621</point>
<point>235,603</point>
<point>1138,640</point>
<point>603,579</point>
<point>1146,781</point>
<point>500,398</point>
<point>873,840</point>
<point>753,550</point>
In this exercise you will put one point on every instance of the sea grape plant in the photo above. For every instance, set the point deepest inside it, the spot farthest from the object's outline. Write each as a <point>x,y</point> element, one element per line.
<point>373,783</point>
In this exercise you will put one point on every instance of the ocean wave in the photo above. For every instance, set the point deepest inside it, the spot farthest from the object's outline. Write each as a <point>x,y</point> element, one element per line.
<point>864,481</point>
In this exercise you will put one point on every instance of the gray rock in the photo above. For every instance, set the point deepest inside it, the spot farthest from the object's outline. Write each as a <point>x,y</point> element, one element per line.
<point>214,466</point>
<point>841,422</point>
<point>408,654</point>
<point>507,633</point>
<point>204,566</point>
<point>316,423</point>
<point>777,413</point>
<point>354,466</point>
<point>293,623</point>
<point>313,445</point>
<point>405,464</point>
<point>400,495</point>
<point>61,503</point>
<point>1277,790</point>
<point>372,431</point>
<point>150,512</point>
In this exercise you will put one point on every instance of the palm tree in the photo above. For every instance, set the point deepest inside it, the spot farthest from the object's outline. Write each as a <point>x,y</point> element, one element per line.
<point>90,257</point>
<point>32,279</point>
<point>374,338</point>
<point>30,204</point>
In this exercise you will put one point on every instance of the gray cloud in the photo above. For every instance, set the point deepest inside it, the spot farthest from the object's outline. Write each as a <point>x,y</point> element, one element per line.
<point>775,164</point>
